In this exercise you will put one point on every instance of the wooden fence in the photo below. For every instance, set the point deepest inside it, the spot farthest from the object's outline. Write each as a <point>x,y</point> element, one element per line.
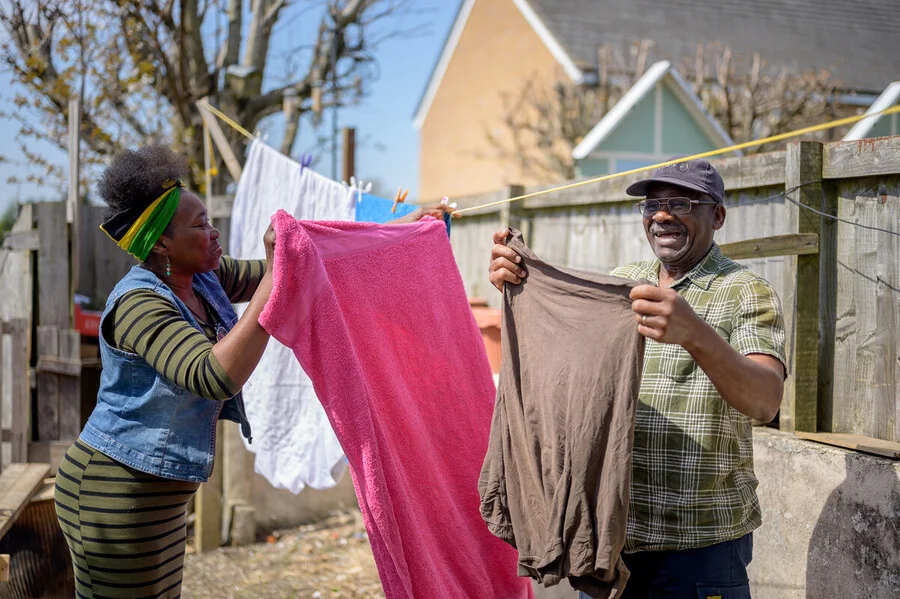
<point>839,281</point>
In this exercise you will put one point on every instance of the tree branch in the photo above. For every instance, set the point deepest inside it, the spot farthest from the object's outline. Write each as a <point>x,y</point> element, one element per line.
<point>231,51</point>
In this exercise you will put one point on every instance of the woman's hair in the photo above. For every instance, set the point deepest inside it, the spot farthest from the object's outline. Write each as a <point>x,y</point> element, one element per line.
<point>135,177</point>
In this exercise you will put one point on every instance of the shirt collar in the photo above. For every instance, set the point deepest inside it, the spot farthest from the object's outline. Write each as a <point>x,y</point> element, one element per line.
<point>702,275</point>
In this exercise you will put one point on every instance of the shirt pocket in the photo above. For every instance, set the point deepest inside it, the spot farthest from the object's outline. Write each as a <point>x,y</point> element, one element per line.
<point>676,363</point>
<point>739,590</point>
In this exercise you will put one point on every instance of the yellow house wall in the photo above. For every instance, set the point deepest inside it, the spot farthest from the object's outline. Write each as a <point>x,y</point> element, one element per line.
<point>498,52</point>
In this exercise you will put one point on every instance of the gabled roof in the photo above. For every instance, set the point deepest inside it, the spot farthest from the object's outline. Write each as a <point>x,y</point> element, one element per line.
<point>659,73</point>
<point>856,39</point>
<point>459,24</point>
<point>888,98</point>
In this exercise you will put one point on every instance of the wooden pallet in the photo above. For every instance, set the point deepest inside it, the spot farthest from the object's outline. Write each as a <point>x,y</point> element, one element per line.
<point>18,483</point>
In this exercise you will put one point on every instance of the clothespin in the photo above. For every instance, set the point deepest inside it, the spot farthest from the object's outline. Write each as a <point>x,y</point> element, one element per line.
<point>447,218</point>
<point>399,198</point>
<point>305,161</point>
<point>359,186</point>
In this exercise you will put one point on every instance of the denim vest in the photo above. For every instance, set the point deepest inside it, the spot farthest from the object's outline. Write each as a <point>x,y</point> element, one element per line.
<point>144,420</point>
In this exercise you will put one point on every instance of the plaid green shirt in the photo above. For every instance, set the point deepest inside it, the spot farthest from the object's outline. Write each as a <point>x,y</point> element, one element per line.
<point>692,481</point>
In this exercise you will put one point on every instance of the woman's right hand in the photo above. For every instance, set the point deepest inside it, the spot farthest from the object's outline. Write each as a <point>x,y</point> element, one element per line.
<point>505,263</point>
<point>269,243</point>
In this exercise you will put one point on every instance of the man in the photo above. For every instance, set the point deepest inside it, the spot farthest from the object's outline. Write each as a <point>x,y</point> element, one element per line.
<point>714,360</point>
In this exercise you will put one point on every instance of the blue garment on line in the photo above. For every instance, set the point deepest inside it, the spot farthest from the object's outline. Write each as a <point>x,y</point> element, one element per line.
<point>373,209</point>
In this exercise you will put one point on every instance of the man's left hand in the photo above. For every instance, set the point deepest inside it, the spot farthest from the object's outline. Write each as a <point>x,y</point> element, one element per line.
<point>663,315</point>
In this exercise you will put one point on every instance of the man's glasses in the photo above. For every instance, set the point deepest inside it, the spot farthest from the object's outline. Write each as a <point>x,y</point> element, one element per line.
<point>674,206</point>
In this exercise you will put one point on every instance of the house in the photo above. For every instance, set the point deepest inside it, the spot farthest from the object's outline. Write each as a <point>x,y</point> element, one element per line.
<point>495,46</point>
<point>660,116</point>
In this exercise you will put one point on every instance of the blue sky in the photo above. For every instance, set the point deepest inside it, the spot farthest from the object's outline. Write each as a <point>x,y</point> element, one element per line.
<point>389,152</point>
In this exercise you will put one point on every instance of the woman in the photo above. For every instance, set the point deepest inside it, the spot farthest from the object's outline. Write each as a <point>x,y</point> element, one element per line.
<point>175,357</point>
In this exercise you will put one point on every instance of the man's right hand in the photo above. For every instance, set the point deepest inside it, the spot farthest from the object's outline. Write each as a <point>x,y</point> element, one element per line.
<point>505,262</point>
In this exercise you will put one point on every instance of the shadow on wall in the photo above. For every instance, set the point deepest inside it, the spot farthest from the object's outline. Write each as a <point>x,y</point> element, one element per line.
<point>854,550</point>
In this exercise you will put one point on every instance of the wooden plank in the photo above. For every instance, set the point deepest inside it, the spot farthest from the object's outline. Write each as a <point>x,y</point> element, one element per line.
<point>799,411</point>
<point>845,402</point>
<point>17,484</point>
<point>45,492</point>
<point>862,158</point>
<point>4,568</point>
<point>755,170</point>
<point>18,330</point>
<point>758,170</point>
<point>873,272</point>
<point>231,161</point>
<point>828,298</point>
<point>348,145</point>
<point>888,449</point>
<point>21,241</point>
<point>70,420</point>
<point>480,200</point>
<point>67,367</point>
<point>54,299</point>
<point>88,264</point>
<point>47,385</point>
<point>239,527</point>
<point>208,504</point>
<point>16,275</point>
<point>793,244</point>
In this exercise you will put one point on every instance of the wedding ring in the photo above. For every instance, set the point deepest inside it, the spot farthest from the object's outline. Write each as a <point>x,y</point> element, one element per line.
<point>644,320</point>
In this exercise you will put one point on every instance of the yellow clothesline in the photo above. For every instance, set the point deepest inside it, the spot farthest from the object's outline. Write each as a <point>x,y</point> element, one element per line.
<point>747,144</point>
<point>740,146</point>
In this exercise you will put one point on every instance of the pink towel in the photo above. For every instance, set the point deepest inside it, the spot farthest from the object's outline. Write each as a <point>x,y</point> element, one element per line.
<point>379,320</point>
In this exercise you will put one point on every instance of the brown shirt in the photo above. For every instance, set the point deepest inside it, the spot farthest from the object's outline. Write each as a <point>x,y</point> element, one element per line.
<point>555,481</point>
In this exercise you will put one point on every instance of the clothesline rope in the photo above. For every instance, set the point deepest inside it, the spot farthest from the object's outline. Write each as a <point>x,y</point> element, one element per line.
<point>747,144</point>
<point>225,119</point>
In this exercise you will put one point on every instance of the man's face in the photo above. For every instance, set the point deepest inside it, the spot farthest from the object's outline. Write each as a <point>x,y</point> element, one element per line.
<point>681,241</point>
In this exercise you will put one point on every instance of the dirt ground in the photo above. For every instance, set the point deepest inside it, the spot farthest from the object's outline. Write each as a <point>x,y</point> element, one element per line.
<point>330,559</point>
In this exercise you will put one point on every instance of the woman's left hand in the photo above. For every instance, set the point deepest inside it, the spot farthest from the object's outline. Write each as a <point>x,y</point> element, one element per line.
<point>437,210</point>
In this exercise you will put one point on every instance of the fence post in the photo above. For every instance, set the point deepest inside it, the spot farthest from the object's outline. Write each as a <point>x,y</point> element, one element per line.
<point>799,411</point>
<point>208,505</point>
<point>17,329</point>
<point>54,307</point>
<point>512,214</point>
<point>239,524</point>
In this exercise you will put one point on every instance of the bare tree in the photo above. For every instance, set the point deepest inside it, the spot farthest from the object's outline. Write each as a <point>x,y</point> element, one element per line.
<point>542,125</point>
<point>139,66</point>
<point>753,100</point>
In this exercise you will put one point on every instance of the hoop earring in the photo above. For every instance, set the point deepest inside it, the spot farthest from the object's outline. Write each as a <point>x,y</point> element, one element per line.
<point>168,267</point>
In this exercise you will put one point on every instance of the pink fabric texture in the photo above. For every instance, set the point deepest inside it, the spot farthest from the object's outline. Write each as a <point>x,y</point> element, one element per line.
<point>379,320</point>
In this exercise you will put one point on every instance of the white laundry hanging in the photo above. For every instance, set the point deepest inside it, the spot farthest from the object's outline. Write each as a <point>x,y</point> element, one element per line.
<point>293,440</point>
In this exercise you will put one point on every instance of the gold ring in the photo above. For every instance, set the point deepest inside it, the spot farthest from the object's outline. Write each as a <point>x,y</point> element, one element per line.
<point>644,320</point>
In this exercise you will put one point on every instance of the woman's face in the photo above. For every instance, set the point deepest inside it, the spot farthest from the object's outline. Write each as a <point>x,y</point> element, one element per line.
<point>193,246</point>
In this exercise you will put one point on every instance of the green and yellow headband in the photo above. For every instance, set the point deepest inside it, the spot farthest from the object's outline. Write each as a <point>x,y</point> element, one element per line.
<point>136,230</point>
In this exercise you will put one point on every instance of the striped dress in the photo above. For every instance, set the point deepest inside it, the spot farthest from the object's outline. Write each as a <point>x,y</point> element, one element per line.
<point>125,529</point>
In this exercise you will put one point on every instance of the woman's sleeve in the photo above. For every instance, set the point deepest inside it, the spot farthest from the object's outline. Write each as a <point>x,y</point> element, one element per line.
<point>145,323</point>
<point>240,278</point>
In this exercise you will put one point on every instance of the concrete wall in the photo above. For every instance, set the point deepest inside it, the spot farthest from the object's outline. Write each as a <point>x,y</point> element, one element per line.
<point>831,522</point>
<point>277,508</point>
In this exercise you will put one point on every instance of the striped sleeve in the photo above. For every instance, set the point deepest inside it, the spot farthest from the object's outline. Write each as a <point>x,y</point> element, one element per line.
<point>145,323</point>
<point>240,278</point>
